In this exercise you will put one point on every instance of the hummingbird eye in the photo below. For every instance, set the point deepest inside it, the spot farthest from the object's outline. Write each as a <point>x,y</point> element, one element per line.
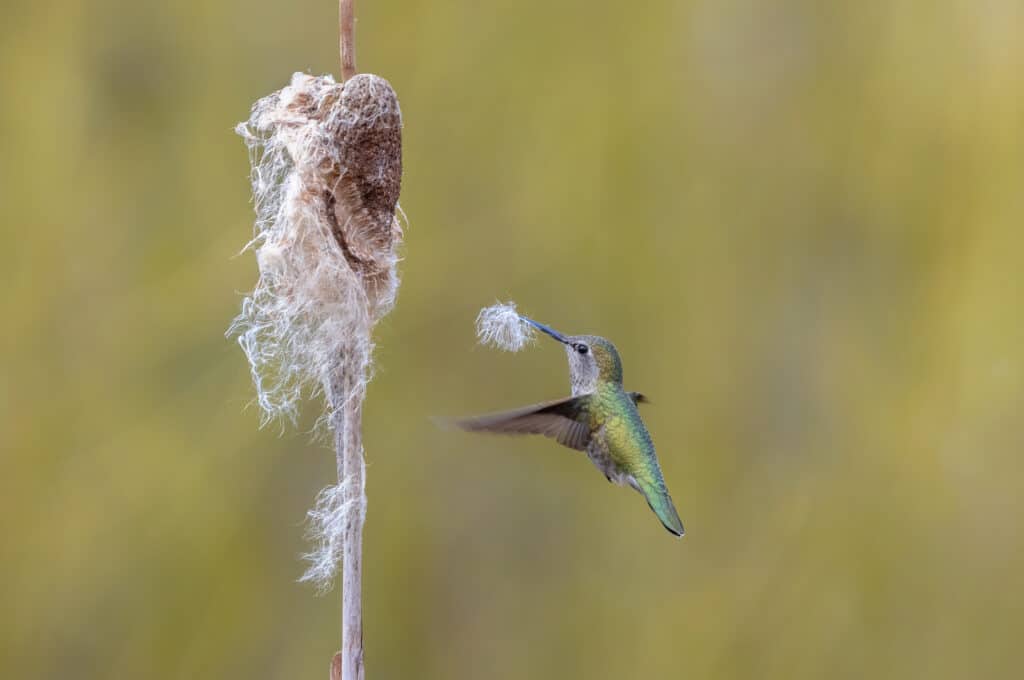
<point>582,349</point>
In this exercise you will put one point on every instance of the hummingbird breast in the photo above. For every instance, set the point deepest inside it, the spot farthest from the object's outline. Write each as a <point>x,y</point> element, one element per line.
<point>620,446</point>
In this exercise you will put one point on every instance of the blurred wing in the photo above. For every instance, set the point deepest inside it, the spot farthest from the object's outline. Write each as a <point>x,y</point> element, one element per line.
<point>638,398</point>
<point>566,421</point>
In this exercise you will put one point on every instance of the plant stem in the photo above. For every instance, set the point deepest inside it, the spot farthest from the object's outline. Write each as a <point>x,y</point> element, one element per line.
<point>354,470</point>
<point>348,390</point>
<point>347,37</point>
<point>348,444</point>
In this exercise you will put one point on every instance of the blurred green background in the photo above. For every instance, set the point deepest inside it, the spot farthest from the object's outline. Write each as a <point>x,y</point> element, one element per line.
<point>800,222</point>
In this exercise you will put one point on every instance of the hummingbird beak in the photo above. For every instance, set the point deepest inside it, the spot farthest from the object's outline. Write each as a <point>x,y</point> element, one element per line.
<point>547,329</point>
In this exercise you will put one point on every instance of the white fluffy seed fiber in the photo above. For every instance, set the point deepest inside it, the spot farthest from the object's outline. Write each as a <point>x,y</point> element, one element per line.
<point>325,529</point>
<point>501,326</point>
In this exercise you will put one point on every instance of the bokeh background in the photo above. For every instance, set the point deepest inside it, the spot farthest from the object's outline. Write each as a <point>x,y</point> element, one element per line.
<point>801,223</point>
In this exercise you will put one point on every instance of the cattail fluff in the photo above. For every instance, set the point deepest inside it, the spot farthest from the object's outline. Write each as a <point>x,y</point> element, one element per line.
<point>501,326</point>
<point>326,173</point>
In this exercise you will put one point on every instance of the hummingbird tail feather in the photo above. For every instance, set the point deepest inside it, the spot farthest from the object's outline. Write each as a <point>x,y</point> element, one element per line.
<point>661,503</point>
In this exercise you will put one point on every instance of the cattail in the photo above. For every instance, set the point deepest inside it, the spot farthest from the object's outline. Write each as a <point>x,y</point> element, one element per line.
<point>501,326</point>
<point>326,173</point>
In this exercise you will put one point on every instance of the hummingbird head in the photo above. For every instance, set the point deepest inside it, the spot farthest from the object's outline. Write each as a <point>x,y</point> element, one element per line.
<point>592,359</point>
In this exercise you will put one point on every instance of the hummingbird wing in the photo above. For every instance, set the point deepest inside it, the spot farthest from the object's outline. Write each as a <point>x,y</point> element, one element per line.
<point>567,421</point>
<point>638,398</point>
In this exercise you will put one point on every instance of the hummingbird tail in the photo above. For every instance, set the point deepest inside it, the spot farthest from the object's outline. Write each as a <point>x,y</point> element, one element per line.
<point>661,503</point>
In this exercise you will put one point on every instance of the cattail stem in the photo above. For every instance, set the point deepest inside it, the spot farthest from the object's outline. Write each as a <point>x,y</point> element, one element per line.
<point>348,445</point>
<point>347,391</point>
<point>347,37</point>
<point>352,473</point>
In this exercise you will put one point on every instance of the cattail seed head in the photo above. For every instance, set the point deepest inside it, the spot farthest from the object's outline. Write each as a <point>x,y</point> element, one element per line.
<point>326,175</point>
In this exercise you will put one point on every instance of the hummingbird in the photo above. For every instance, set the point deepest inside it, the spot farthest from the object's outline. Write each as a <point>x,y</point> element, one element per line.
<point>600,418</point>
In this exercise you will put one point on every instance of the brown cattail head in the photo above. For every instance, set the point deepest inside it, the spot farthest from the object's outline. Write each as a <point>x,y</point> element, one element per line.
<point>360,171</point>
<point>364,182</point>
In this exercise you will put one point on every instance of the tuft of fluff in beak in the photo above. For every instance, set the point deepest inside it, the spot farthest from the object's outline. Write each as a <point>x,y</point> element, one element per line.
<point>501,326</point>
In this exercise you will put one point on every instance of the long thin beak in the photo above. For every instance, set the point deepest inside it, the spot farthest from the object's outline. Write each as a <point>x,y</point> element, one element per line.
<point>547,329</point>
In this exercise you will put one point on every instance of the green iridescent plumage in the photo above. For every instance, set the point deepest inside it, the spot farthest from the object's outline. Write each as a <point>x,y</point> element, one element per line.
<point>600,418</point>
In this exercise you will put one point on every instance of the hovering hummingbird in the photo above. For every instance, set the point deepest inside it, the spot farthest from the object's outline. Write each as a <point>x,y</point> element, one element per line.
<point>600,418</point>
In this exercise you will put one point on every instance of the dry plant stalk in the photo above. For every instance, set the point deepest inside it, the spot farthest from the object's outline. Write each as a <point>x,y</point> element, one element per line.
<point>347,38</point>
<point>326,173</point>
